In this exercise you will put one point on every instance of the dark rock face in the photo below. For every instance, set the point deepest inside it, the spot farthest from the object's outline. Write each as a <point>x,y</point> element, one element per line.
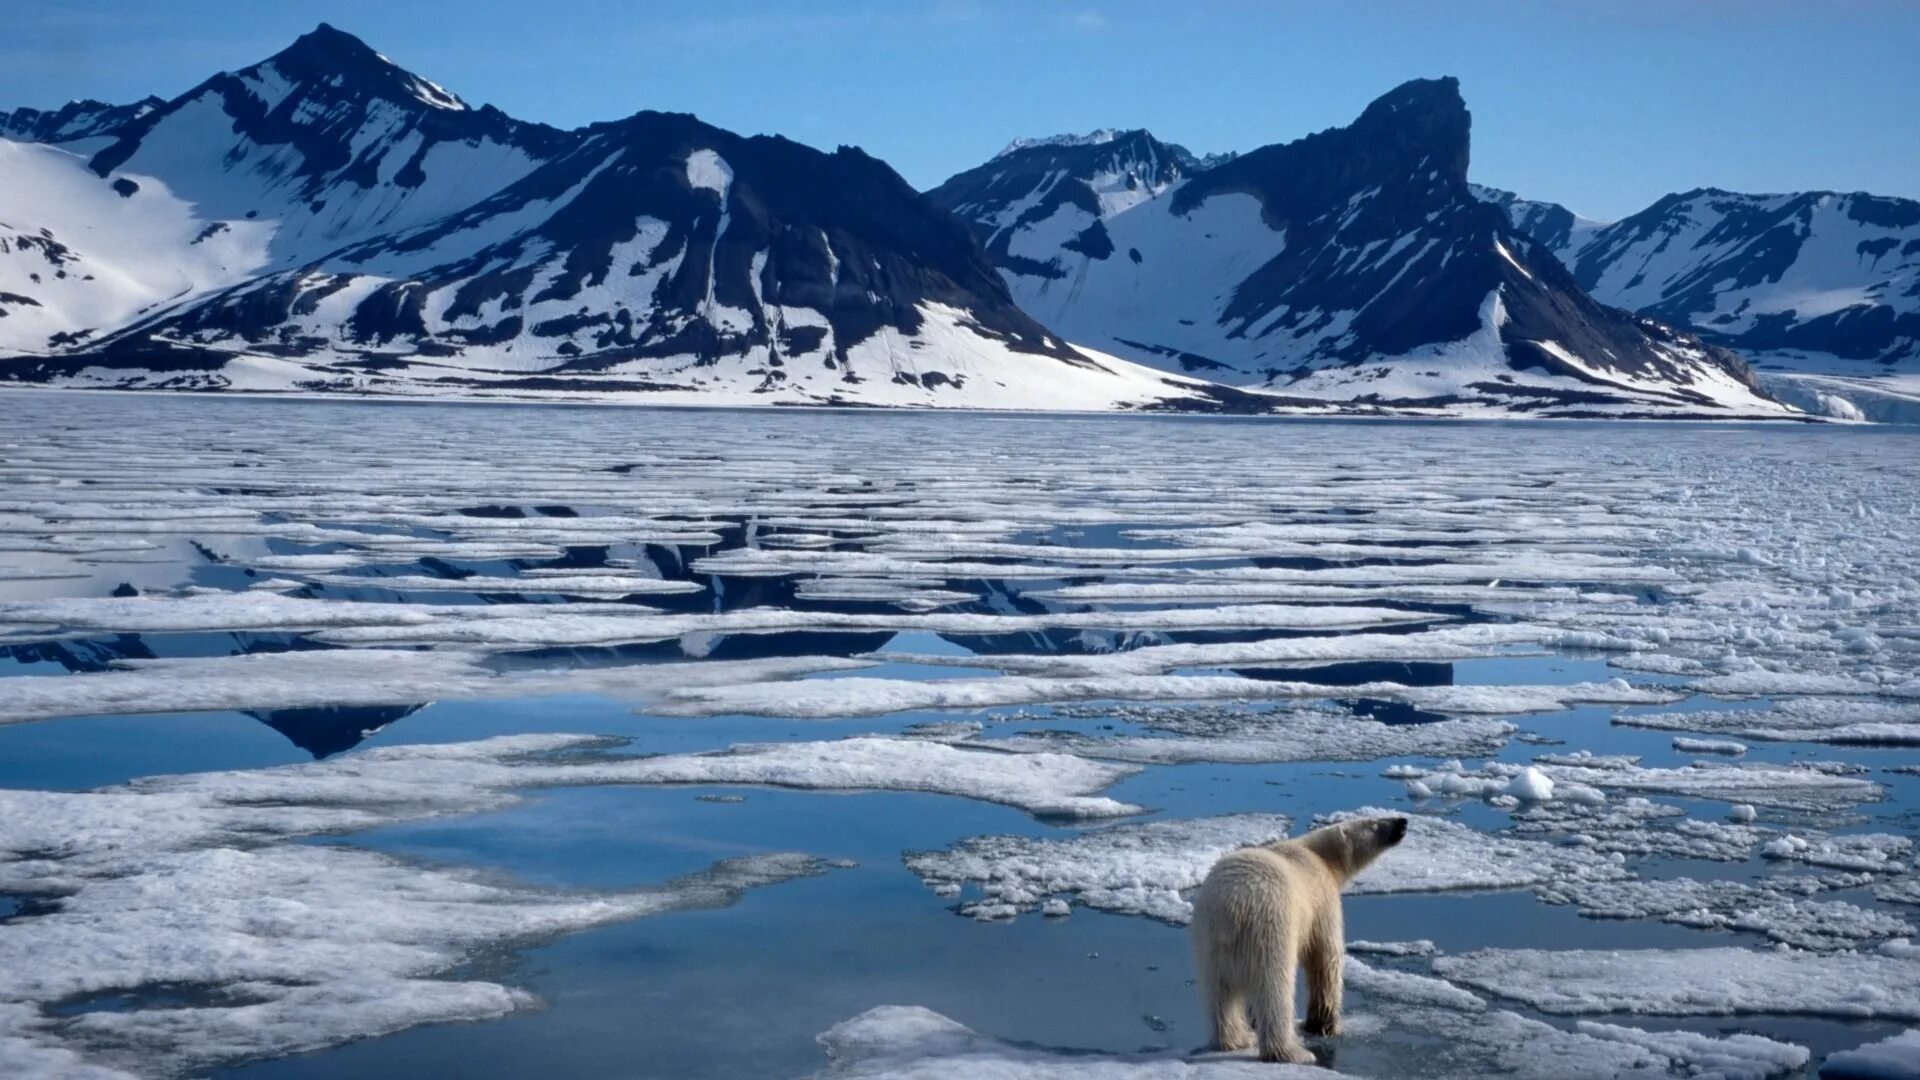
<point>1317,259</point>
<point>1418,131</point>
<point>1818,271</point>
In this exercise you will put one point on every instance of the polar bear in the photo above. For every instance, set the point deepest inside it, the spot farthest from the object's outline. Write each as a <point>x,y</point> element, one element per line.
<point>1260,913</point>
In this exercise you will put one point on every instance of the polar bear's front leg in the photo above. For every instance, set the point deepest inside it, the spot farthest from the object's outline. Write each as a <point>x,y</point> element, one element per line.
<point>1326,956</point>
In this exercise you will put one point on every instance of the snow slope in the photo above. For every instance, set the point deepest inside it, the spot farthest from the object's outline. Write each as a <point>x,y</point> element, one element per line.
<point>79,251</point>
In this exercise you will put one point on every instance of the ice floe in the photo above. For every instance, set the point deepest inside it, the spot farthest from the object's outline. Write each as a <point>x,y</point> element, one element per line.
<point>1780,909</point>
<point>872,696</point>
<point>1460,1035</point>
<point>1883,983</point>
<point>1842,721</point>
<point>1894,1058</point>
<point>1138,869</point>
<point>909,1042</point>
<point>1789,787</point>
<point>281,680</point>
<point>1216,598</point>
<point>1709,746</point>
<point>1185,733</point>
<point>1146,868</point>
<point>196,885</point>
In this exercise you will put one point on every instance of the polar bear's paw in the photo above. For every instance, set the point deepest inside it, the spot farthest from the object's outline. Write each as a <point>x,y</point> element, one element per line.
<point>1291,1054</point>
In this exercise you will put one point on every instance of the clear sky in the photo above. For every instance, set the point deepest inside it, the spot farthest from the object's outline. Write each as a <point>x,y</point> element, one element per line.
<point>1603,106</point>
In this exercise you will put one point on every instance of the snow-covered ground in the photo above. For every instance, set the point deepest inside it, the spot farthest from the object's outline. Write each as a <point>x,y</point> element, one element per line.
<point>914,732</point>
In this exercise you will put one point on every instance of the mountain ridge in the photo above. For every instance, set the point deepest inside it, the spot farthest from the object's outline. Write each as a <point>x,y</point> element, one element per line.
<point>1822,272</point>
<point>325,220</point>
<point>1354,263</point>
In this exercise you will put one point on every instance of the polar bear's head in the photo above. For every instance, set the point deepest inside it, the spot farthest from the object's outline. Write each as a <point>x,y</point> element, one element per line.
<point>1347,847</point>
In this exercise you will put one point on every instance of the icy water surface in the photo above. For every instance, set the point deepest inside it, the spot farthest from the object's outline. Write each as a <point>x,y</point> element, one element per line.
<point>355,740</point>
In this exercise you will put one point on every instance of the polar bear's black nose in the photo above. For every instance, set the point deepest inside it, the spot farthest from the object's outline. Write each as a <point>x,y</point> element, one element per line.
<point>1396,829</point>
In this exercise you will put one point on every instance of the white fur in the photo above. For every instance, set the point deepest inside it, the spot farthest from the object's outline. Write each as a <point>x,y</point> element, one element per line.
<point>1262,914</point>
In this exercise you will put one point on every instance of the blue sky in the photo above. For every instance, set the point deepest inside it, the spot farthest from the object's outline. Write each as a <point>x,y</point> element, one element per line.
<point>1604,106</point>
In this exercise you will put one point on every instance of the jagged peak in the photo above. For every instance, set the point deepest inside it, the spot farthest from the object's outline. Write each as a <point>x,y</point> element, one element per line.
<point>1428,114</point>
<point>1108,149</point>
<point>326,51</point>
<point>327,44</point>
<point>1426,95</point>
<point>1098,137</point>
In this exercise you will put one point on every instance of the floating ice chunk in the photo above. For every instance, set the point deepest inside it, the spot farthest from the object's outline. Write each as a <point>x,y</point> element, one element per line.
<point>1441,855</point>
<point>575,625</point>
<point>338,677</point>
<point>1636,826</point>
<point>1144,869</point>
<point>1422,947</point>
<point>1903,891</point>
<point>1871,852</point>
<point>1893,1058</point>
<point>572,584</point>
<point>866,697</point>
<point>1759,681</point>
<point>1659,664</point>
<point>208,611</point>
<point>1789,787</point>
<point>1186,733</point>
<point>1742,812</point>
<point>908,1042</point>
<point>911,595</point>
<point>1407,987</point>
<point>1484,1041</point>
<point>1444,643</point>
<point>322,944</point>
<point>1531,784</point>
<point>1580,794</point>
<point>1590,760</point>
<point>1204,589</point>
<point>1883,984</point>
<point>30,1051</point>
<point>1128,869</point>
<point>192,880</point>
<point>1842,721</point>
<point>1709,746</point>
<point>1044,783</point>
<point>1528,699</point>
<point>1740,1056</point>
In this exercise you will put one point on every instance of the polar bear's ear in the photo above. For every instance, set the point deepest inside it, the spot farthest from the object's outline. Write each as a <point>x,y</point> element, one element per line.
<point>1335,845</point>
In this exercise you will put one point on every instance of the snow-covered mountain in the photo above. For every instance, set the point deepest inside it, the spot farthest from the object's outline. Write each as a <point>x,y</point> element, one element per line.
<point>327,220</point>
<point>74,120</point>
<point>1814,272</point>
<point>1553,225</point>
<point>1354,265</point>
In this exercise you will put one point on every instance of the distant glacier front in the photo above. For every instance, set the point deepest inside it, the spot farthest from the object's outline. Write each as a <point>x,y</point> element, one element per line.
<point>500,741</point>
